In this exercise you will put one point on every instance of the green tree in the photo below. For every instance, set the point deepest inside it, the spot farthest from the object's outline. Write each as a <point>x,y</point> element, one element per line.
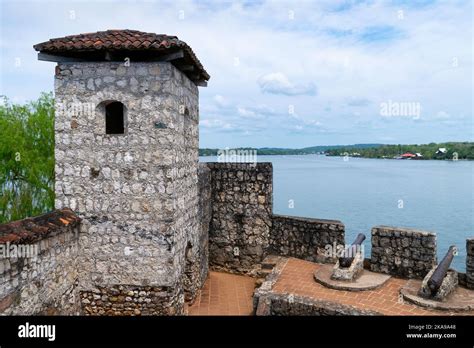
<point>26,158</point>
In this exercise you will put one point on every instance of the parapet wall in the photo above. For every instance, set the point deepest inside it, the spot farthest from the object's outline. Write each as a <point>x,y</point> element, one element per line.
<point>402,252</point>
<point>241,201</point>
<point>304,238</point>
<point>243,228</point>
<point>470,263</point>
<point>42,280</point>
<point>284,305</point>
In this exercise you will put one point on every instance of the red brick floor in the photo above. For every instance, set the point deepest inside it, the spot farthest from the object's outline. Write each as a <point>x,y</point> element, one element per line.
<point>297,278</point>
<point>224,294</point>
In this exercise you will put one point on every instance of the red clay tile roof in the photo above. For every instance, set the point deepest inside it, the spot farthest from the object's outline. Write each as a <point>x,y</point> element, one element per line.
<point>131,41</point>
<point>33,229</point>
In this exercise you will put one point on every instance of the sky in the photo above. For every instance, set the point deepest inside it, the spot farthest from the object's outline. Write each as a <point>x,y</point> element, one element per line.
<point>286,74</point>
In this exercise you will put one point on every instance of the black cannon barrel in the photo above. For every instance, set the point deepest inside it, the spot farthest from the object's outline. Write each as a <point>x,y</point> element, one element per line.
<point>348,256</point>
<point>438,275</point>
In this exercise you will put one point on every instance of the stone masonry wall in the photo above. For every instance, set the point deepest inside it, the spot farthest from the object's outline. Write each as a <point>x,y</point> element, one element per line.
<point>44,280</point>
<point>241,215</point>
<point>402,252</point>
<point>304,238</point>
<point>136,192</point>
<point>289,304</point>
<point>470,263</point>
<point>126,300</point>
<point>205,210</point>
<point>243,229</point>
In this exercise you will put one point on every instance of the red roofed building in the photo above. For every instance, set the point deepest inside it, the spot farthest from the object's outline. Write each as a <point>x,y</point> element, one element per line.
<point>408,155</point>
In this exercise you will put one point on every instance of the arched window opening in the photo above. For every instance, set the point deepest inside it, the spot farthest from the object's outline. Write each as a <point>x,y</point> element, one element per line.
<point>114,118</point>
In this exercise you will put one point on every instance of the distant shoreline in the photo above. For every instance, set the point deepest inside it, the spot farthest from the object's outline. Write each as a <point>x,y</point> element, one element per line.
<point>432,151</point>
<point>379,158</point>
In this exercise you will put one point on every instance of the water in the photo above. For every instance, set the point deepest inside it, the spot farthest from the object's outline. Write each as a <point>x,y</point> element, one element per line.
<point>436,196</point>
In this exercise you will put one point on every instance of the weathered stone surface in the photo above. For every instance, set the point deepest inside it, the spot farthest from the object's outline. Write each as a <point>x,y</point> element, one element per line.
<point>146,300</point>
<point>243,229</point>
<point>470,263</point>
<point>205,210</point>
<point>136,192</point>
<point>449,284</point>
<point>305,238</point>
<point>402,252</point>
<point>350,273</point>
<point>43,281</point>
<point>241,221</point>
<point>289,304</point>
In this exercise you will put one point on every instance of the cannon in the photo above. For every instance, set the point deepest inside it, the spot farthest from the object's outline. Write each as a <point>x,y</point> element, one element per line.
<point>436,279</point>
<point>348,256</point>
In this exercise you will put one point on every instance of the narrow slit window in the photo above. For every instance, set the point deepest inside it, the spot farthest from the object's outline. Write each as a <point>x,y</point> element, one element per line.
<point>114,118</point>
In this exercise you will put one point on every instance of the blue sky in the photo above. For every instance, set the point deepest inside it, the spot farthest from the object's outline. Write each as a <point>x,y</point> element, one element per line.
<point>283,73</point>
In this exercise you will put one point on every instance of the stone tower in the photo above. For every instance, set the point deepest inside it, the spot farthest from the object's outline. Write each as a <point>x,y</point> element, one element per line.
<point>126,132</point>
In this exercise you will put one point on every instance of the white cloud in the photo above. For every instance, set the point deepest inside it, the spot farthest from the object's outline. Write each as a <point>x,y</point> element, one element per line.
<point>221,101</point>
<point>245,112</point>
<point>215,124</point>
<point>278,83</point>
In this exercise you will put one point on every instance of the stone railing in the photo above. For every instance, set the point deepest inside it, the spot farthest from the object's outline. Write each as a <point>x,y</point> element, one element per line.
<point>38,273</point>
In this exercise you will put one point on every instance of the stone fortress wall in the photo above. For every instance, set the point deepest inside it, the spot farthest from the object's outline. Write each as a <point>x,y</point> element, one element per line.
<point>244,229</point>
<point>44,279</point>
<point>137,193</point>
<point>242,218</point>
<point>230,214</point>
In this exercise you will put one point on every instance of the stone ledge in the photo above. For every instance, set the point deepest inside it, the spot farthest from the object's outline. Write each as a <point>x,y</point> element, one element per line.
<point>305,219</point>
<point>261,166</point>
<point>391,231</point>
<point>261,293</point>
<point>31,230</point>
<point>290,304</point>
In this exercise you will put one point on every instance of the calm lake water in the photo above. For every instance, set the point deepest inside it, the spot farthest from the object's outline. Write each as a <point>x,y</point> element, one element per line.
<point>436,196</point>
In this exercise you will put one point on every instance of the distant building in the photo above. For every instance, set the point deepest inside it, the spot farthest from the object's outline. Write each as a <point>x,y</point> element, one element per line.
<point>407,155</point>
<point>441,150</point>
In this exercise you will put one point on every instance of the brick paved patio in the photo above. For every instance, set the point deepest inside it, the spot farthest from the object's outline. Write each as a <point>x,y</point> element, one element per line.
<point>297,278</point>
<point>229,294</point>
<point>224,294</point>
